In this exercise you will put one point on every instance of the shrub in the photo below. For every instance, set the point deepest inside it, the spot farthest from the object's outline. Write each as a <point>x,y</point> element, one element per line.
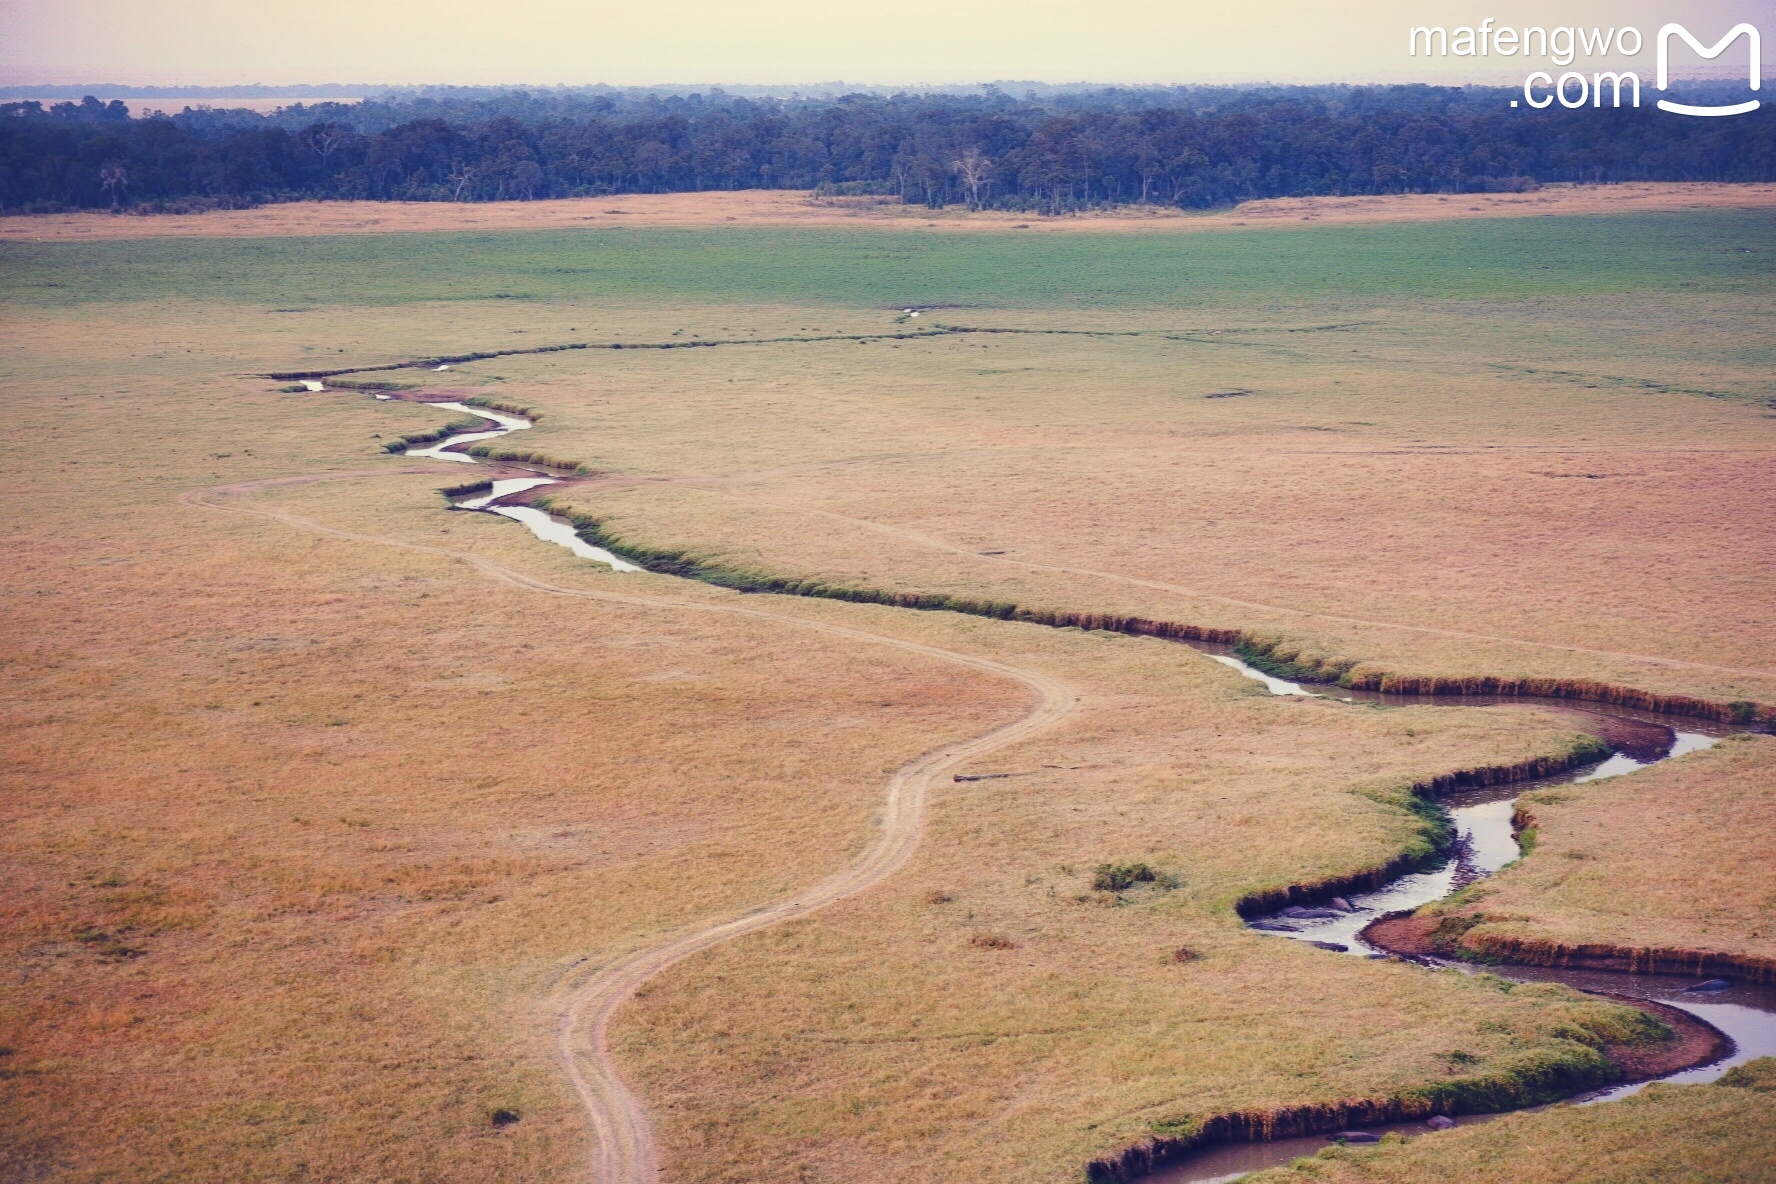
<point>992,941</point>
<point>1118,877</point>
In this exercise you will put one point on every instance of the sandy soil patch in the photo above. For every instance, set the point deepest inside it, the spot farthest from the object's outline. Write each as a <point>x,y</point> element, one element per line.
<point>769,207</point>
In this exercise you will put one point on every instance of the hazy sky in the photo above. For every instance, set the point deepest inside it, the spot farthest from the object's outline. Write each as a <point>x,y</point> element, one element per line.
<point>218,42</point>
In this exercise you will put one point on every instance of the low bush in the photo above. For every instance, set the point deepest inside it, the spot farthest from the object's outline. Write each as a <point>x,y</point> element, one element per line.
<point>1119,877</point>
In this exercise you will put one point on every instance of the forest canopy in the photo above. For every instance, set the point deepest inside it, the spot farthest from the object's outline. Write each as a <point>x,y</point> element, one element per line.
<point>1053,151</point>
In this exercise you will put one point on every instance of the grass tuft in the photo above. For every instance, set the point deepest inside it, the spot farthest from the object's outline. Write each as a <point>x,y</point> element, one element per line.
<point>1120,877</point>
<point>1759,1075</point>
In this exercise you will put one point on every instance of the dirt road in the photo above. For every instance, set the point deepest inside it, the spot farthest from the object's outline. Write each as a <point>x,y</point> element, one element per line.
<point>583,1003</point>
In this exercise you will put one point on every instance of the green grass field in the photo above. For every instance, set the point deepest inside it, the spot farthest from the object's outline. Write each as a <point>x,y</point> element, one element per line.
<point>1533,258</point>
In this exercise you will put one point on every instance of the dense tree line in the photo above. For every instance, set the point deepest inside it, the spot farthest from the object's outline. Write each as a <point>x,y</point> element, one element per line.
<point>1190,147</point>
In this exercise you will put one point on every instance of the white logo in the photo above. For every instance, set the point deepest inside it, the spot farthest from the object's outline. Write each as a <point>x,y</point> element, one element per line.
<point>1714,51</point>
<point>1562,46</point>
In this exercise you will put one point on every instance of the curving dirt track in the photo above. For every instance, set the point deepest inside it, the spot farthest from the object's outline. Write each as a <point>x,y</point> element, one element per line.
<point>583,1002</point>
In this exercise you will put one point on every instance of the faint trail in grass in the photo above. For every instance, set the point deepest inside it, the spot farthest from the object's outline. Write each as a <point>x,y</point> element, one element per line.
<point>927,541</point>
<point>1194,336</point>
<point>585,1001</point>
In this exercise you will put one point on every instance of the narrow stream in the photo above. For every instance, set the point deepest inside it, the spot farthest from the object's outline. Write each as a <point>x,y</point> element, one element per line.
<point>1485,842</point>
<point>545,526</point>
<point>444,449</point>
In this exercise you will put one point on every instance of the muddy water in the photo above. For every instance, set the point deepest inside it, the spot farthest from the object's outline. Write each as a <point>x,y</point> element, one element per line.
<point>1230,1161</point>
<point>1486,842</point>
<point>1745,1012</point>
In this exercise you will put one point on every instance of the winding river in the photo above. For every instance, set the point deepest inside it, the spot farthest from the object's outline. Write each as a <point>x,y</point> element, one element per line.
<point>1485,842</point>
<point>545,526</point>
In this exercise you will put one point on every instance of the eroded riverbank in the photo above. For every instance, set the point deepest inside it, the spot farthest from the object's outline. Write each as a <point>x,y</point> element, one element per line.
<point>1716,1024</point>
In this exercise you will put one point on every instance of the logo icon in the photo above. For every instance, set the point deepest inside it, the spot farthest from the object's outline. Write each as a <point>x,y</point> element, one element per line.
<point>1714,51</point>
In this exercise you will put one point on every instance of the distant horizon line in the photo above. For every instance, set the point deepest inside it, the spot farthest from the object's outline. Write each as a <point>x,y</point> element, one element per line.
<point>322,90</point>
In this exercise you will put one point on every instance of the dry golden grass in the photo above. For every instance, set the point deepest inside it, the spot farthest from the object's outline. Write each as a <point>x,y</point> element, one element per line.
<point>1386,493</point>
<point>1727,1136</point>
<point>357,808</point>
<point>891,1036</point>
<point>773,207</point>
<point>1675,857</point>
<point>297,830</point>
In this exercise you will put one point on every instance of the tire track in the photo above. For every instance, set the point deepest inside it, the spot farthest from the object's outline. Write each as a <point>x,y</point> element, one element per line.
<point>584,1004</point>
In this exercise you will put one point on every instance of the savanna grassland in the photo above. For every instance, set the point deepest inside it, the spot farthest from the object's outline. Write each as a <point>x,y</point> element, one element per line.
<point>304,829</point>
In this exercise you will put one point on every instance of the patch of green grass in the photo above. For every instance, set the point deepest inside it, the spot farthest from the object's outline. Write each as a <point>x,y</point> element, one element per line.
<point>370,384</point>
<point>1480,260</point>
<point>1759,1075</point>
<point>455,427</point>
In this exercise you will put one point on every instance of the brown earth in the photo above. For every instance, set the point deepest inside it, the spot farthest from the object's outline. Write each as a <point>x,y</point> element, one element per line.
<point>1619,732</point>
<point>794,207</point>
<point>1408,935</point>
<point>1692,1043</point>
